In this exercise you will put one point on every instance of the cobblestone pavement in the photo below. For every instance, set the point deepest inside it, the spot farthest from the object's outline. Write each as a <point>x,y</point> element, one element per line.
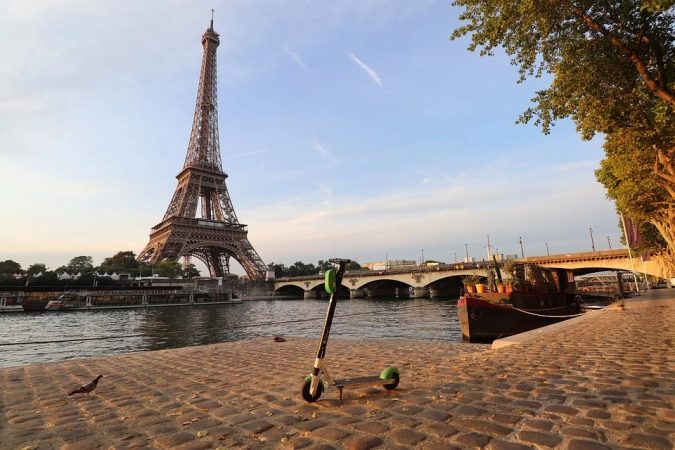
<point>605,382</point>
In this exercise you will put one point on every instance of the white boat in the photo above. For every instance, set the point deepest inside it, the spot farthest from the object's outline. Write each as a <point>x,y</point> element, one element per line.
<point>63,303</point>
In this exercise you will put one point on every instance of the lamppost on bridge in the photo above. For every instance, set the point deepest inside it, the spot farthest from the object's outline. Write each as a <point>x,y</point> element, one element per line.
<point>609,243</point>
<point>547,252</point>
<point>592,242</point>
<point>522,252</point>
<point>466,247</point>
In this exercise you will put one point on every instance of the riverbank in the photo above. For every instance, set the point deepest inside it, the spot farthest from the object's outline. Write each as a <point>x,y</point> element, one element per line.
<point>602,383</point>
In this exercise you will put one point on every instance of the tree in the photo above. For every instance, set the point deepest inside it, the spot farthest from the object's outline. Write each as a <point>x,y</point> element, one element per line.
<point>80,264</point>
<point>626,173</point>
<point>9,267</point>
<point>354,266</point>
<point>191,271</point>
<point>324,265</point>
<point>168,268</point>
<point>37,268</point>
<point>279,269</point>
<point>613,64</point>
<point>120,262</point>
<point>299,269</point>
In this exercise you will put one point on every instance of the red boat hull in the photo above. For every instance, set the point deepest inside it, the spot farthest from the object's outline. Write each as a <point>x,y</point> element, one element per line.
<point>490,316</point>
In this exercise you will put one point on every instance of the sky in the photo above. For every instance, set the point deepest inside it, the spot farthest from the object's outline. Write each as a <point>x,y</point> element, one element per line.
<point>348,128</point>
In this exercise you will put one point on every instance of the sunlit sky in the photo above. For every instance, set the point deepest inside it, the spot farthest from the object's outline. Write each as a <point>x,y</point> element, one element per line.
<point>350,128</point>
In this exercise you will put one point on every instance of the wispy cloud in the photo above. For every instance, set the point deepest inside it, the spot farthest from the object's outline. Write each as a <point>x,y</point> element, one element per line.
<point>295,57</point>
<point>371,73</point>
<point>324,152</point>
<point>434,217</point>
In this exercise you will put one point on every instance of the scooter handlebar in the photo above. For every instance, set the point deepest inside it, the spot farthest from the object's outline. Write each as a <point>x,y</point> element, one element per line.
<point>340,260</point>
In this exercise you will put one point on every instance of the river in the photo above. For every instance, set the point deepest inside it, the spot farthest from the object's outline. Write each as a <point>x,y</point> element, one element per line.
<point>27,338</point>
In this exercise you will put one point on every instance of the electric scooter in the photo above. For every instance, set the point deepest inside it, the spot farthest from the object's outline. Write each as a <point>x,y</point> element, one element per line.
<point>313,386</point>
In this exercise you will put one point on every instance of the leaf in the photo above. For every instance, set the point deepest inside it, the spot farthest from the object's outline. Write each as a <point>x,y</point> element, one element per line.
<point>202,433</point>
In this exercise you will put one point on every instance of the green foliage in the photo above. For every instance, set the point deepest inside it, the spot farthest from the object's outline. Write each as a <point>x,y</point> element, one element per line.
<point>168,268</point>
<point>120,262</point>
<point>191,271</point>
<point>471,280</point>
<point>299,269</point>
<point>657,5</point>
<point>9,267</point>
<point>613,69</point>
<point>37,268</point>
<point>80,264</point>
<point>354,266</point>
<point>626,172</point>
<point>324,265</point>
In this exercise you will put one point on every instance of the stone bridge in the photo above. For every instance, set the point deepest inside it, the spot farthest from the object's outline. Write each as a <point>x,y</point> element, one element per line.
<point>589,262</point>
<point>445,280</point>
<point>440,281</point>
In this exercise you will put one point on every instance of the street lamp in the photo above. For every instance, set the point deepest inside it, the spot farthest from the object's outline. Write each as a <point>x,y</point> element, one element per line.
<point>592,242</point>
<point>466,247</point>
<point>547,252</point>
<point>609,243</point>
<point>522,252</point>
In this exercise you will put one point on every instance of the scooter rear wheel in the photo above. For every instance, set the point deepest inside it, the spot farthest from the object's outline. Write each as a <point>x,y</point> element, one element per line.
<point>305,390</point>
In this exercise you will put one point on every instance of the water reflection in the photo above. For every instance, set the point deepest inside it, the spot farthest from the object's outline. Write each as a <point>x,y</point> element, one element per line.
<point>180,326</point>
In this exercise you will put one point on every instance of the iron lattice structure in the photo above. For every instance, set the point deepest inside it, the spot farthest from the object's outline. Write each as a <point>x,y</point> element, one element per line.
<point>215,235</point>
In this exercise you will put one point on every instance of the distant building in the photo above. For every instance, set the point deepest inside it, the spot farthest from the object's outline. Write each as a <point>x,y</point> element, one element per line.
<point>391,264</point>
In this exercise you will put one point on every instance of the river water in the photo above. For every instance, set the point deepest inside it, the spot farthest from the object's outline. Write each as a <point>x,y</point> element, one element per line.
<point>27,338</point>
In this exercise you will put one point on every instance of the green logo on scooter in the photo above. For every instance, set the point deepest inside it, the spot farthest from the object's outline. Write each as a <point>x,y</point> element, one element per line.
<point>329,281</point>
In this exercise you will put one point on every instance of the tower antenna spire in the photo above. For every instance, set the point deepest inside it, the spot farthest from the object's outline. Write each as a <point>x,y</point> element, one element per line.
<point>212,11</point>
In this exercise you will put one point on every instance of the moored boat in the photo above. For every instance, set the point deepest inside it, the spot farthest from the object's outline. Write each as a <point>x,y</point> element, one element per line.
<point>63,303</point>
<point>34,304</point>
<point>543,300</point>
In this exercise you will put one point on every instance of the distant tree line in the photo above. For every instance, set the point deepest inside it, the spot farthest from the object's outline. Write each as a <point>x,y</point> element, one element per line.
<point>124,262</point>
<point>299,269</point>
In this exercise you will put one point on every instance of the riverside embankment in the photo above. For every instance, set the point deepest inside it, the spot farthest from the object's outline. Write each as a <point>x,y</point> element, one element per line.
<point>608,382</point>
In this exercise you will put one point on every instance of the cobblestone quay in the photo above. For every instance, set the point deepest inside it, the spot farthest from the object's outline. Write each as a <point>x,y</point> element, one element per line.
<point>604,382</point>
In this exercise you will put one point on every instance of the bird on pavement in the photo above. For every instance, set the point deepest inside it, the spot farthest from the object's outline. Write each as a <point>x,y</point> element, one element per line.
<point>279,339</point>
<point>87,388</point>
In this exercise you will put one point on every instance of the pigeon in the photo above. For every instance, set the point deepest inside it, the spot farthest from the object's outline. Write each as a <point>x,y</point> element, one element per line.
<point>87,388</point>
<point>279,339</point>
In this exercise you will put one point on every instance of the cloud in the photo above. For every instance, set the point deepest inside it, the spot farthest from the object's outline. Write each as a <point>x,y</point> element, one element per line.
<point>439,217</point>
<point>295,57</point>
<point>324,152</point>
<point>371,73</point>
<point>326,192</point>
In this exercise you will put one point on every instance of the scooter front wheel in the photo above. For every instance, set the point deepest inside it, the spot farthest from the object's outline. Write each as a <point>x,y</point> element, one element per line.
<point>390,373</point>
<point>306,387</point>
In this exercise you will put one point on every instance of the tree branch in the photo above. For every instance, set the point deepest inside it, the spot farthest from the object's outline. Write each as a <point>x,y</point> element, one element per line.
<point>661,92</point>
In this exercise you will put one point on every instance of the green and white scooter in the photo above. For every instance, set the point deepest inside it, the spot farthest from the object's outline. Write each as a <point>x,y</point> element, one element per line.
<point>313,386</point>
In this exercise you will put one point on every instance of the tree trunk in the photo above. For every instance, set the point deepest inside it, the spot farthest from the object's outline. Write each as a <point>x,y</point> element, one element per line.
<point>665,224</point>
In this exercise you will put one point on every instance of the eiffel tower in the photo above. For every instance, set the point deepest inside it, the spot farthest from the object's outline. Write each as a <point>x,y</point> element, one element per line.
<point>215,236</point>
